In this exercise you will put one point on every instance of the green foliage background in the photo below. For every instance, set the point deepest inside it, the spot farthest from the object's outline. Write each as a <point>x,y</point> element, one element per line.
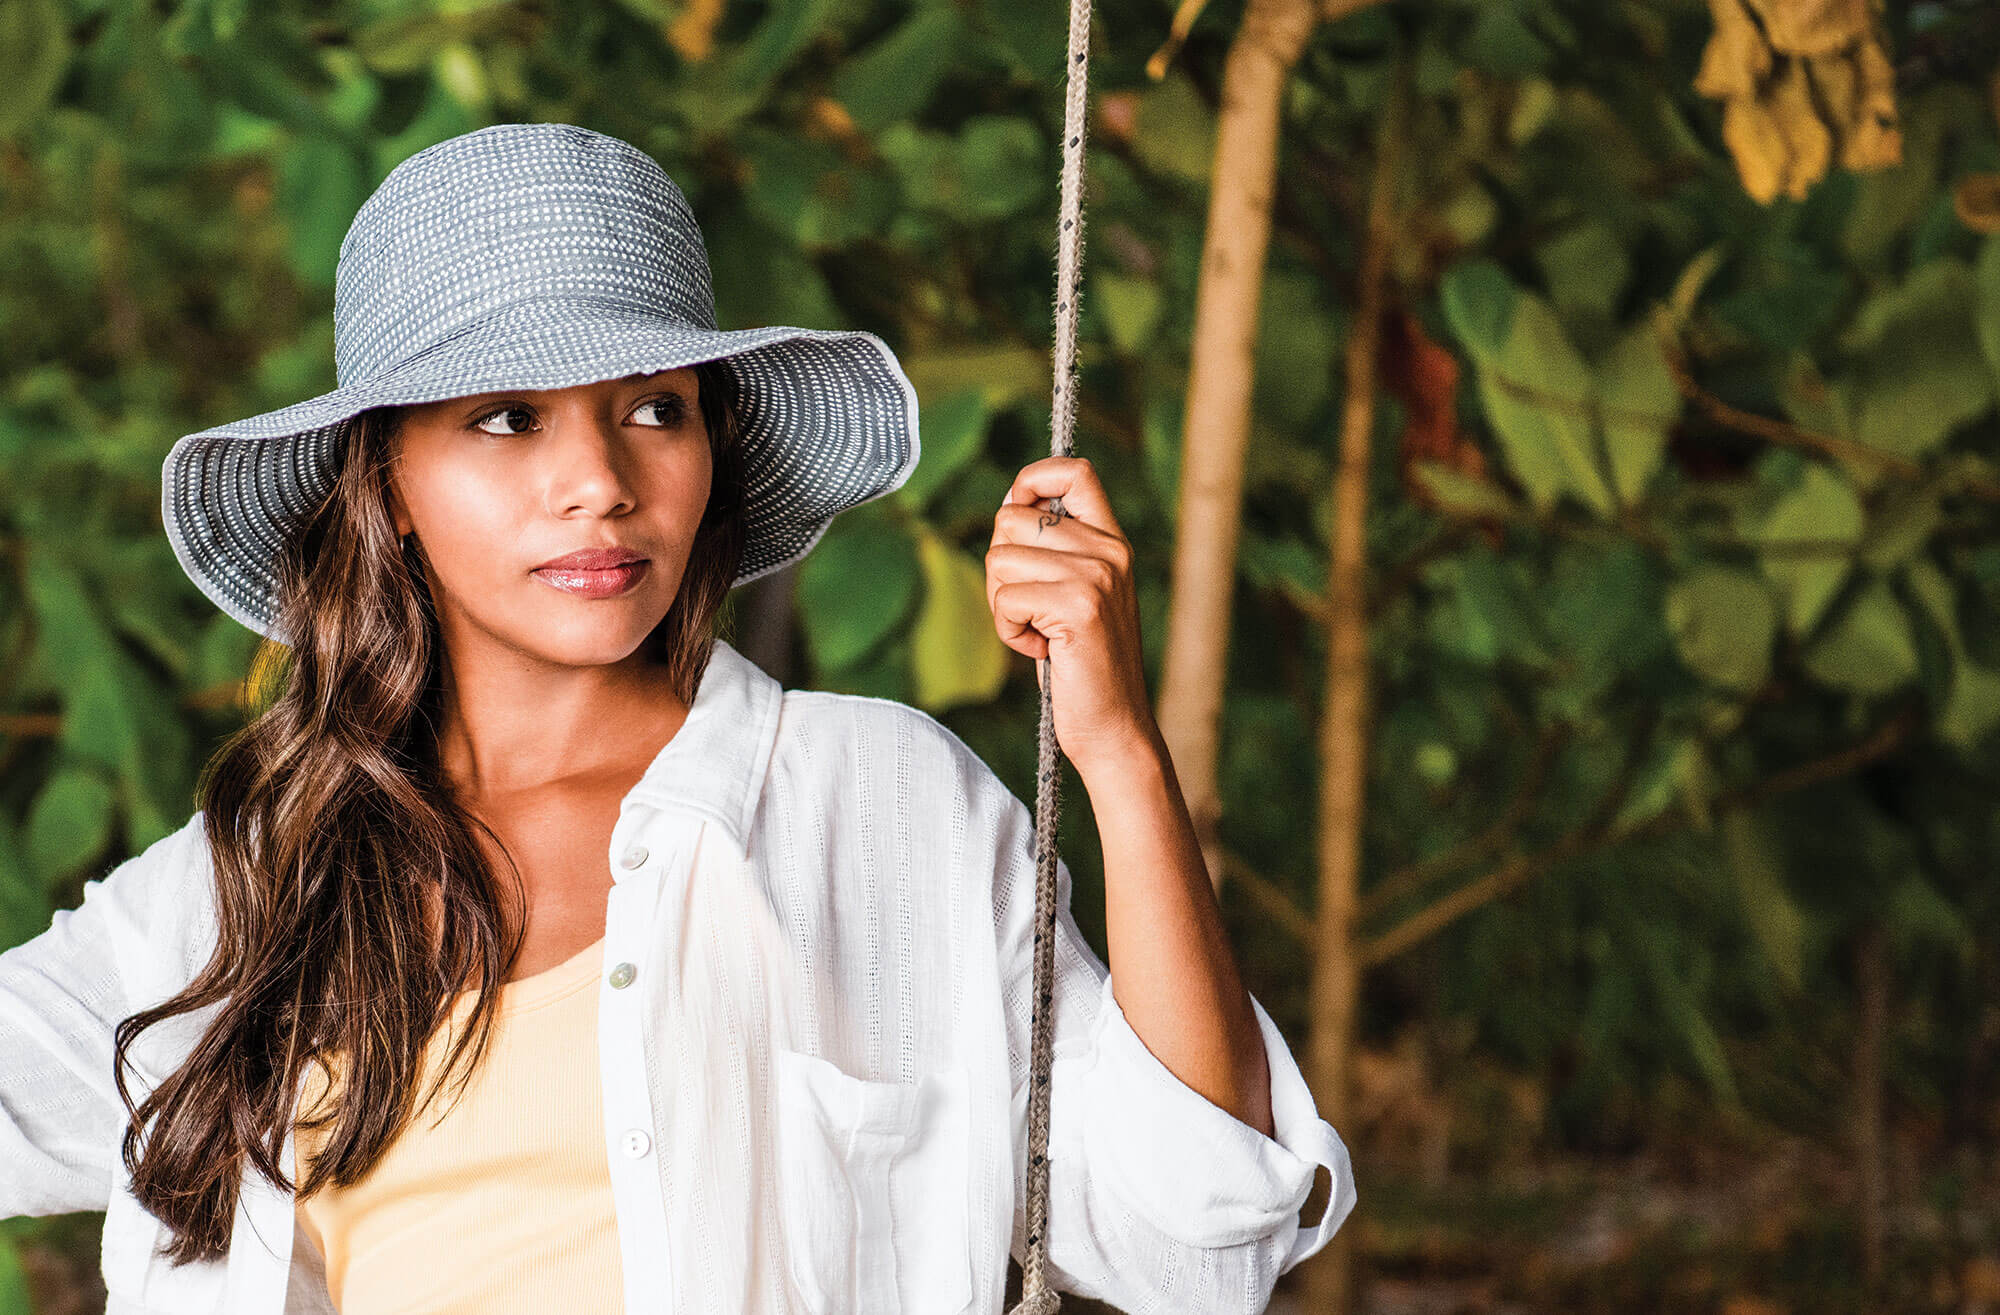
<point>1637,613</point>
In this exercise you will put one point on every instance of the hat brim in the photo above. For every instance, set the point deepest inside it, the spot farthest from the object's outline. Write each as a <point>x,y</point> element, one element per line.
<point>829,421</point>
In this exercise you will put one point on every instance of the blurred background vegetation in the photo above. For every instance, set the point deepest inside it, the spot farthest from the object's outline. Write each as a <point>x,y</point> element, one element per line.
<point>1630,892</point>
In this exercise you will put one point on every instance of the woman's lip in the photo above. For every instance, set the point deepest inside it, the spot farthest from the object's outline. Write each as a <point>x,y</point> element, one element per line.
<point>608,583</point>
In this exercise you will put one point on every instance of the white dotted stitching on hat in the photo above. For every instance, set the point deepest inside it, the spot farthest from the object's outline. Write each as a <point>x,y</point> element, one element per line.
<point>540,256</point>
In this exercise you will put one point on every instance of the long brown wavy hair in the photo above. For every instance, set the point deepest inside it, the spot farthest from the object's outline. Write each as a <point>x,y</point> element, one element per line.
<point>353,902</point>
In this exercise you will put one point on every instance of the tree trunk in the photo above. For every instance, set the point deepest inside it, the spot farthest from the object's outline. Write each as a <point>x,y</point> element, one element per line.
<point>1217,429</point>
<point>1344,724</point>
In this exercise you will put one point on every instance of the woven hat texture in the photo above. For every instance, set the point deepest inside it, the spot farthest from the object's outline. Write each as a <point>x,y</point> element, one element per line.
<point>534,256</point>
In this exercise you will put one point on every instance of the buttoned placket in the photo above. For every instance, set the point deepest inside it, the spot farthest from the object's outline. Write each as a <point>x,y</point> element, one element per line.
<point>648,853</point>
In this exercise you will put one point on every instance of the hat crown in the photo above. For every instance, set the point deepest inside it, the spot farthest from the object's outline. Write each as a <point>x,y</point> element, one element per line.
<point>507,214</point>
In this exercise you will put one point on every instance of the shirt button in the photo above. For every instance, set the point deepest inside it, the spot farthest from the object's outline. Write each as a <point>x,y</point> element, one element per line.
<point>622,975</point>
<point>637,1143</point>
<point>633,857</point>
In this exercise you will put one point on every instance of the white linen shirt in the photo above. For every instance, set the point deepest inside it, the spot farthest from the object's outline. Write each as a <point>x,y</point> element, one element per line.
<point>814,1029</point>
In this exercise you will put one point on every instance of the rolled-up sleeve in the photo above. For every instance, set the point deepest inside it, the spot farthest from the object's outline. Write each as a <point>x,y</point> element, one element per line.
<point>1249,1187</point>
<point>62,996</point>
<point>1159,1198</point>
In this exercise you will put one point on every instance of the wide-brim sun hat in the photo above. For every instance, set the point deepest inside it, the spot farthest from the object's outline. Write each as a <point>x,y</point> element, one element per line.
<point>534,256</point>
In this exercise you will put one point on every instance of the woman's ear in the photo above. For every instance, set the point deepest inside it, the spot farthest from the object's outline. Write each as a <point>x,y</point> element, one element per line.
<point>398,516</point>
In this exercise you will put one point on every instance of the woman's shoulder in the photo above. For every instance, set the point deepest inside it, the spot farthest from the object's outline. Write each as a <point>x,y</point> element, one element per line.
<point>162,874</point>
<point>158,906</point>
<point>861,742</point>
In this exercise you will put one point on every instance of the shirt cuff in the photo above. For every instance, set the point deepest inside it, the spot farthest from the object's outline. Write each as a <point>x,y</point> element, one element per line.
<point>1196,1171</point>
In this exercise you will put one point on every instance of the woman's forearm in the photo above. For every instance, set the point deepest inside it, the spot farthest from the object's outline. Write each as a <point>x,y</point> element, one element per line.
<point>1172,969</point>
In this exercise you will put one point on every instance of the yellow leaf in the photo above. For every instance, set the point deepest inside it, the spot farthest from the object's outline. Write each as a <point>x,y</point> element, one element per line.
<point>1757,145</point>
<point>1735,59</point>
<point>956,655</point>
<point>1808,143</point>
<point>1873,141</point>
<point>1812,27</point>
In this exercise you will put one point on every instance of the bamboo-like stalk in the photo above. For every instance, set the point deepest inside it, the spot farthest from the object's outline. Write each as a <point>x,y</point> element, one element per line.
<point>1345,722</point>
<point>1221,369</point>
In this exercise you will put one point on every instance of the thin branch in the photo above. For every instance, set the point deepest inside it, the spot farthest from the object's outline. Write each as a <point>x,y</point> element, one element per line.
<point>1595,837</point>
<point>1517,871</point>
<point>1415,876</point>
<point>1790,435</point>
<point>1184,16</point>
<point>1275,903</point>
<point>1451,536</point>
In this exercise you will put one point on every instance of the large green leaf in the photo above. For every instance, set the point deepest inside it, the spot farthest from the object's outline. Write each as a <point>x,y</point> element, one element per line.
<point>1535,388</point>
<point>25,905</point>
<point>1723,621</point>
<point>1917,371</point>
<point>764,278</point>
<point>1600,609</point>
<point>1001,162</point>
<point>992,169</point>
<point>1004,375</point>
<point>805,190</point>
<point>1681,1006</point>
<point>100,722</point>
<point>1585,268</point>
<point>1297,348</point>
<point>69,824</point>
<point>1639,404</point>
<point>952,427</point>
<point>896,76</point>
<point>856,586</point>
<point>1129,306</point>
<point>1868,649</point>
<point>1786,297</point>
<point>1972,707</point>
<point>36,38</point>
<point>1481,613</point>
<point>1806,535</point>
<point>1460,494</point>
<point>321,184</point>
<point>1773,915</point>
<point>787,27</point>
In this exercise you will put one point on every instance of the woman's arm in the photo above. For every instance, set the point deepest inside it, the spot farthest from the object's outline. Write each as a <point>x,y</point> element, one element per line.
<point>62,996</point>
<point>1173,970</point>
<point>1062,587</point>
<point>1159,1198</point>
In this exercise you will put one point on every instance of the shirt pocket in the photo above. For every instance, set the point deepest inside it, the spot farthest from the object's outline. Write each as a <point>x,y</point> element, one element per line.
<point>874,1179</point>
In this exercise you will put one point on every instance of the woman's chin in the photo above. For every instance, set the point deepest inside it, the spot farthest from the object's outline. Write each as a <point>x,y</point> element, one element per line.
<point>591,634</point>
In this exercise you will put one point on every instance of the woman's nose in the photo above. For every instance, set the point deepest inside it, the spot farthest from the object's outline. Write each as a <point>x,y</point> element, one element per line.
<point>589,463</point>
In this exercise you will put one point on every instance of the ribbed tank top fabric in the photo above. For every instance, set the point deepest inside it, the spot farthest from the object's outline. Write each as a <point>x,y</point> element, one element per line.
<point>500,1199</point>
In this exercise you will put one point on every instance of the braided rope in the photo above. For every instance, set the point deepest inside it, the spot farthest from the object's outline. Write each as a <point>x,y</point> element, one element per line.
<point>1037,1298</point>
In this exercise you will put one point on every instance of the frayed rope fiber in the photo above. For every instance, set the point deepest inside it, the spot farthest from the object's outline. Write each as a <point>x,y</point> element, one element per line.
<point>1037,1297</point>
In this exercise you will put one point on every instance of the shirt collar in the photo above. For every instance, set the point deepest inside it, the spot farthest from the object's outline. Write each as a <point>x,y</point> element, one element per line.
<point>715,763</point>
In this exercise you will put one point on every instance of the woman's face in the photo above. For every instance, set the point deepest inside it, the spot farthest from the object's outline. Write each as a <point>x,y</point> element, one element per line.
<point>498,485</point>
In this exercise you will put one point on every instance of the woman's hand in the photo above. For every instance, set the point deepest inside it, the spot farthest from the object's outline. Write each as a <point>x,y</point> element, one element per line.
<point>1061,587</point>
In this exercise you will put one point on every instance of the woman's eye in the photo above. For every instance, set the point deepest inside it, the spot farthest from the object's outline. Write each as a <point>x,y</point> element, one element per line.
<point>669,410</point>
<point>480,423</point>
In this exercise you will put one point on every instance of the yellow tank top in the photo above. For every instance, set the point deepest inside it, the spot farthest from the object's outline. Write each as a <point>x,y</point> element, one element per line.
<point>506,1203</point>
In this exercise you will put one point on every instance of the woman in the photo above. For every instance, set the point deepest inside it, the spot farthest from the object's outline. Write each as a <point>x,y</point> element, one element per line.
<point>729,983</point>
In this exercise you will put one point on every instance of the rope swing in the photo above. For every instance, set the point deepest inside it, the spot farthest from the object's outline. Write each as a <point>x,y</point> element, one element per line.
<point>1037,1298</point>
